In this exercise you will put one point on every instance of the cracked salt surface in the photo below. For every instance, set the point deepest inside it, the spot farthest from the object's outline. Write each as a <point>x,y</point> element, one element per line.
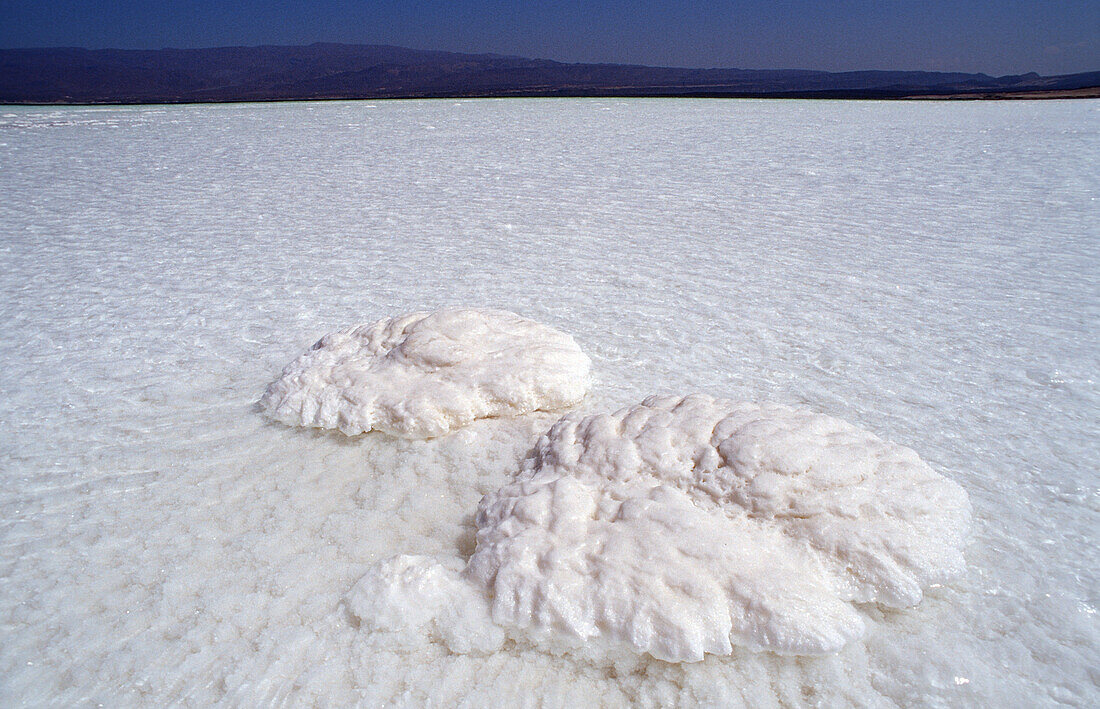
<point>926,272</point>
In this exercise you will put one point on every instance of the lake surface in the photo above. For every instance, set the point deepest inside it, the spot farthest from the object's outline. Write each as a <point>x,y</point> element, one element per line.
<point>927,271</point>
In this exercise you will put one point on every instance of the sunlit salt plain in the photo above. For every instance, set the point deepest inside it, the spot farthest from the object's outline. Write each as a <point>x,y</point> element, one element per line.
<point>926,271</point>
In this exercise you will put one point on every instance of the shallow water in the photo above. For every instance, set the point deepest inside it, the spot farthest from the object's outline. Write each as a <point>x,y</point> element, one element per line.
<point>927,271</point>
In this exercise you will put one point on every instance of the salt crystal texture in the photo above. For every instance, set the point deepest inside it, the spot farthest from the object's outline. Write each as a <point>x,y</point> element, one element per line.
<point>425,374</point>
<point>687,526</point>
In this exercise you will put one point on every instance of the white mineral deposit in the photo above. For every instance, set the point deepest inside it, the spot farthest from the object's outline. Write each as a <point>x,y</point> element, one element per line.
<point>426,374</point>
<point>686,526</point>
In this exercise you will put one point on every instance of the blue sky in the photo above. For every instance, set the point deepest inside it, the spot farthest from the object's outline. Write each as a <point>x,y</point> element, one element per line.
<point>1011,36</point>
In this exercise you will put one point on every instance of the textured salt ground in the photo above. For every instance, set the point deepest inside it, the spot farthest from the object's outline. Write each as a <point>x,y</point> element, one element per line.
<point>925,272</point>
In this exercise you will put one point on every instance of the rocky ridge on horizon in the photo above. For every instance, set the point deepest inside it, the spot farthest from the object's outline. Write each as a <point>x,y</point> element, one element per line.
<point>341,71</point>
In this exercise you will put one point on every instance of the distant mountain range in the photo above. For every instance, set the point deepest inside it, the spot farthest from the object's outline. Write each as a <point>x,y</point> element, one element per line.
<point>332,71</point>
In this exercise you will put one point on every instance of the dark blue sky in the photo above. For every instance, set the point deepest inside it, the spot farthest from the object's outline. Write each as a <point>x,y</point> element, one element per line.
<point>996,37</point>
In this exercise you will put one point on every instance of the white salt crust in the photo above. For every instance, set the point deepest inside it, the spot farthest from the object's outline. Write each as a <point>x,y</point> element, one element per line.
<point>425,374</point>
<point>687,526</point>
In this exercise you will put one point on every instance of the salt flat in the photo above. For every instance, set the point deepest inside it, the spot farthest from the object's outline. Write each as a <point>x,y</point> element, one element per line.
<point>928,272</point>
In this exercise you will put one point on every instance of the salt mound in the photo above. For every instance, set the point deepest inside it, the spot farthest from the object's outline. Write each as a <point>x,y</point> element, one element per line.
<point>688,526</point>
<point>425,374</point>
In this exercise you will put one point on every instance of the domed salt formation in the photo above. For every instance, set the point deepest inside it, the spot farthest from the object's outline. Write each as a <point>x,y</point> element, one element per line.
<point>425,374</point>
<point>681,527</point>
